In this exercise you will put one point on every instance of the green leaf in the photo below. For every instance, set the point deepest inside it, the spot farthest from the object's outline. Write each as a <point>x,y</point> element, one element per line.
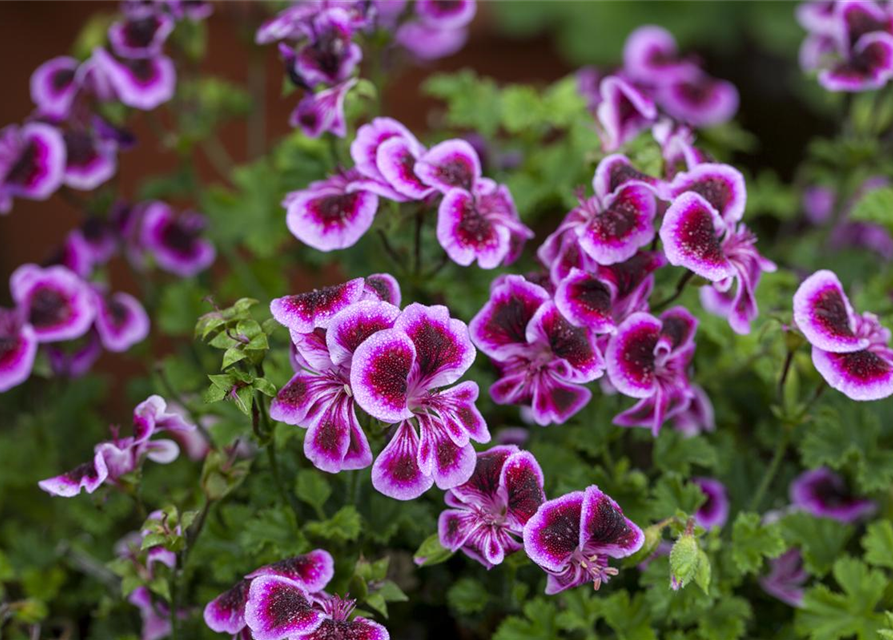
<point>675,452</point>
<point>539,623</point>
<point>468,596</point>
<point>752,541</point>
<point>875,206</point>
<point>672,495</point>
<point>344,526</point>
<point>821,540</point>
<point>726,619</point>
<point>431,552</point>
<point>312,488</point>
<point>878,544</point>
<point>628,616</point>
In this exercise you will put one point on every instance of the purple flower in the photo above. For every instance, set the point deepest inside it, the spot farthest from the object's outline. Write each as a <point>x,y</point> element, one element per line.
<point>226,612</point>
<point>337,623</point>
<point>330,56</point>
<point>698,416</point>
<point>89,160</point>
<point>696,236</point>
<point>430,43</point>
<point>824,494</point>
<point>849,350</point>
<point>481,225</point>
<point>330,214</point>
<point>142,83</point>
<point>446,15</point>
<point>140,36</point>
<point>452,164</point>
<point>120,456</point>
<point>715,510</point>
<point>121,321</point>
<point>74,358</point>
<point>385,153</point>
<point>573,536</point>
<point>623,113</point>
<point>56,303</point>
<point>648,359</point>
<point>401,375</point>
<point>304,312</point>
<point>318,113</point>
<point>869,66</point>
<point>818,203</point>
<point>154,614</point>
<point>54,87</point>
<point>701,101</point>
<point>650,57</point>
<point>176,242</point>
<point>32,162</point>
<point>490,510</point>
<point>18,347</point>
<point>615,171</point>
<point>542,358</point>
<point>786,578</point>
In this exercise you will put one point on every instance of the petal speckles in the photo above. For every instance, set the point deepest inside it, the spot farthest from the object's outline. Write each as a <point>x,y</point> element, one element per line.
<point>306,311</point>
<point>692,236</point>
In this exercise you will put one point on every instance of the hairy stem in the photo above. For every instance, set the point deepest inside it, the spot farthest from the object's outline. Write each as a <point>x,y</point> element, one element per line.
<point>680,287</point>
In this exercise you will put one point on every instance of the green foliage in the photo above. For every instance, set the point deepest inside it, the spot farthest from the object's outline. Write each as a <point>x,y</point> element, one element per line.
<point>753,541</point>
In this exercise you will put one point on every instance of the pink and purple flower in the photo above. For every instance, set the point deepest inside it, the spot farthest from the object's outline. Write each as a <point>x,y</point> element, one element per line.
<point>18,348</point>
<point>824,494</point>
<point>32,162</point>
<point>176,242</point>
<point>56,303</point>
<point>715,510</point>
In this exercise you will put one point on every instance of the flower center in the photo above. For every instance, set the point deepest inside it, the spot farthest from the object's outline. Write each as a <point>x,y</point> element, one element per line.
<point>597,568</point>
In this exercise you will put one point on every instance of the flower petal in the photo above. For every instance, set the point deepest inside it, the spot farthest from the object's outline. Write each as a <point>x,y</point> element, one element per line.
<point>700,101</point>
<point>312,571</point>
<point>573,345</point>
<point>603,526</point>
<point>467,235</point>
<point>454,527</point>
<point>18,348</point>
<point>824,494</point>
<point>715,511</point>
<point>58,304</point>
<point>452,164</point>
<point>859,375</point>
<point>691,233</point>
<point>461,418</point>
<point>396,471</point>
<point>443,348</point>
<point>121,321</point>
<point>552,535</point>
<point>384,287</point>
<point>586,301</point>
<point>226,612</point>
<point>88,477</point>
<point>616,170</point>
<point>396,160</point>
<point>448,463</point>
<point>306,311</point>
<point>521,479</point>
<point>278,607</point>
<point>379,375</point>
<point>630,355</point>
<point>499,328</point>
<point>352,326</point>
<point>329,221</point>
<point>623,113</point>
<point>720,185</point>
<point>824,314</point>
<point>625,224</point>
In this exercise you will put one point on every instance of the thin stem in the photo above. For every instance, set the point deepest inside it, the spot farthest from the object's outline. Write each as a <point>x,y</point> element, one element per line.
<point>218,156</point>
<point>444,260</point>
<point>277,480</point>
<point>789,359</point>
<point>172,393</point>
<point>389,249</point>
<point>680,287</point>
<point>771,471</point>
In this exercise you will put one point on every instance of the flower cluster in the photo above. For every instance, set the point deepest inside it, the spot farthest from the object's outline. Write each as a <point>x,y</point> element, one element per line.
<point>851,351</point>
<point>285,601</point>
<point>318,44</point>
<point>354,347</point>
<point>587,313</point>
<point>849,43</point>
<point>503,503</point>
<point>68,141</point>
<point>476,218</point>
<point>654,80</point>
<point>115,459</point>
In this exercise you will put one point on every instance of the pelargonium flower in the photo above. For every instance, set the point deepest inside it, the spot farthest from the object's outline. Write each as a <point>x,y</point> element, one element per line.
<point>318,113</point>
<point>651,57</point>
<point>320,396</point>
<point>701,101</point>
<point>481,225</point>
<point>616,170</point>
<point>142,83</point>
<point>121,320</point>
<point>490,510</point>
<point>573,536</point>
<point>696,236</point>
<point>402,375</point>
<point>176,242</point>
<point>313,571</point>
<point>623,113</point>
<point>89,160</point>
<point>118,457</point>
<point>278,608</point>
<point>850,351</point>
<point>452,164</point>
<point>698,417</point>
<point>97,238</point>
<point>542,358</point>
<point>385,153</point>
<point>715,510</point>
<point>330,56</point>
<point>786,577</point>
<point>56,303</point>
<point>304,312</point>
<point>446,15</point>
<point>329,214</point>
<point>74,358</point>
<point>824,494</point>
<point>426,43</point>
<point>32,162</point>
<point>648,358</point>
<point>54,87</point>
<point>140,36</point>
<point>18,347</point>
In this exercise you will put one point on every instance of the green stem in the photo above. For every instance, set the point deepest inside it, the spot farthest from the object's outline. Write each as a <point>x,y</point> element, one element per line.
<point>771,471</point>
<point>680,287</point>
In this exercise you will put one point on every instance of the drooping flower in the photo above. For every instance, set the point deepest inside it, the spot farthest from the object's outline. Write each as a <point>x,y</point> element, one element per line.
<point>141,83</point>
<point>55,302</point>
<point>624,111</point>
<point>120,456</point>
<point>572,538</point>
<point>313,571</point>
<point>32,162</point>
<point>329,214</point>
<point>824,494</point>
<point>402,376</point>
<point>488,512</point>
<point>648,358</point>
<point>715,510</point>
<point>543,359</point>
<point>322,112</point>
<point>849,350</point>
<point>786,577</point>
<point>385,153</point>
<point>54,86</point>
<point>140,36</point>
<point>18,347</point>
<point>121,320</point>
<point>330,56</point>
<point>176,242</point>
<point>481,225</point>
<point>696,236</point>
